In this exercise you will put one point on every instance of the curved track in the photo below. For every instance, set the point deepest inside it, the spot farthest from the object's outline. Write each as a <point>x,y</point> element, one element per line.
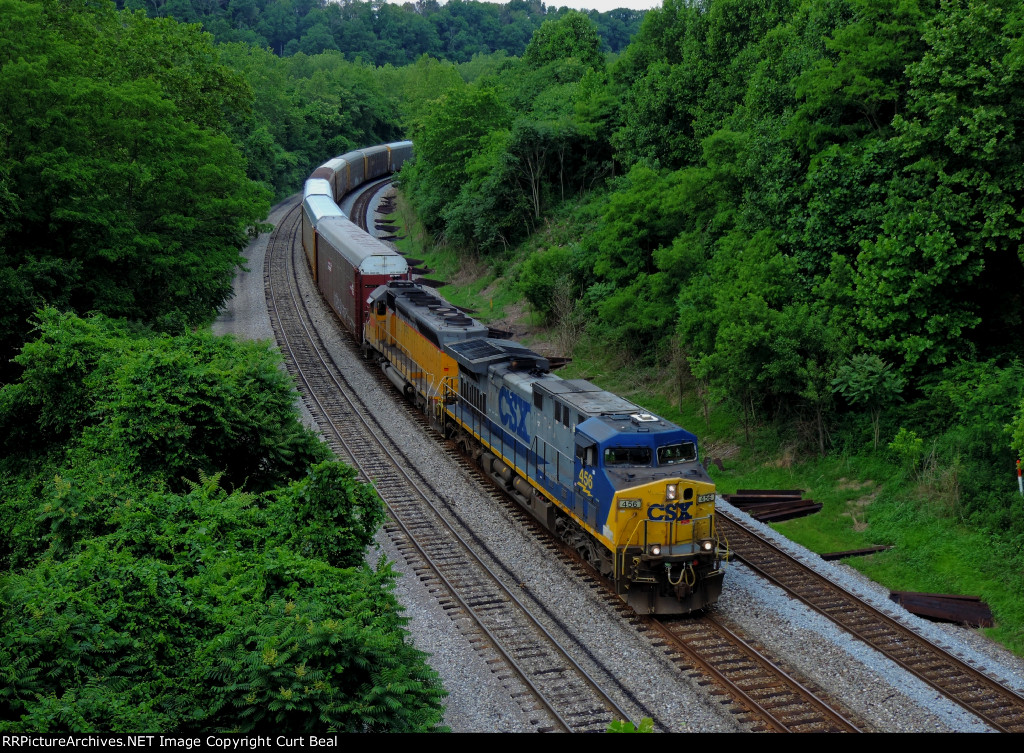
<point>753,687</point>
<point>978,693</point>
<point>763,697</point>
<point>552,687</point>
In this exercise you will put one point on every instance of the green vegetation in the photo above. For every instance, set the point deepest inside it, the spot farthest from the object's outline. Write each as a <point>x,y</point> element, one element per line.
<point>804,219</point>
<point>493,157</point>
<point>309,108</point>
<point>383,33</point>
<point>120,190</point>
<point>646,725</point>
<point>177,553</point>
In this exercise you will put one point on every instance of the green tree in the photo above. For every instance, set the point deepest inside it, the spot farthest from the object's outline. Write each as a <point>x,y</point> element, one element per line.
<point>139,594</point>
<point>167,406</point>
<point>450,136</point>
<point>130,199</point>
<point>571,37</point>
<point>869,382</point>
<point>859,86</point>
<point>191,615</point>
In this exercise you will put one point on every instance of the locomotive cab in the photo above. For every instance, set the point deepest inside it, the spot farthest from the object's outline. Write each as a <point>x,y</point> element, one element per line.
<point>660,515</point>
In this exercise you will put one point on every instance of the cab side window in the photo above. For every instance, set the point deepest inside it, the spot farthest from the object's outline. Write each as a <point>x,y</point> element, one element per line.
<point>588,455</point>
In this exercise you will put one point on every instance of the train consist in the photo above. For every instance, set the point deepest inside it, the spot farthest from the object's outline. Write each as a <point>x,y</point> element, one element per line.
<point>621,486</point>
<point>346,263</point>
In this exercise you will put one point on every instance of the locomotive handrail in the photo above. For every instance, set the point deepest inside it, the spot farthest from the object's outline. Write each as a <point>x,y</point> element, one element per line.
<point>560,455</point>
<point>427,382</point>
<point>691,524</point>
<point>625,544</point>
<point>404,333</point>
<point>444,387</point>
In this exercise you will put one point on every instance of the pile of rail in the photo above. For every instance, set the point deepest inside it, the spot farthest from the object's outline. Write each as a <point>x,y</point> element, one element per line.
<point>773,505</point>
<point>967,610</point>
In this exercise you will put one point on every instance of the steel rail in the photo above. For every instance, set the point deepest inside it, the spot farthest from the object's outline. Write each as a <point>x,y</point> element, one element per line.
<point>453,590</point>
<point>1002,708</point>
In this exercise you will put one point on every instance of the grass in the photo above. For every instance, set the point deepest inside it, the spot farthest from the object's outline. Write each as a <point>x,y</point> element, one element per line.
<point>473,284</point>
<point>867,498</point>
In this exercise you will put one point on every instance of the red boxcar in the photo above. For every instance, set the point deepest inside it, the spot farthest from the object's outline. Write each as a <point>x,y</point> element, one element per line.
<point>315,207</point>
<point>350,265</point>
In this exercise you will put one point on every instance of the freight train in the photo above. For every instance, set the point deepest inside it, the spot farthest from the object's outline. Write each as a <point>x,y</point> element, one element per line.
<point>621,486</point>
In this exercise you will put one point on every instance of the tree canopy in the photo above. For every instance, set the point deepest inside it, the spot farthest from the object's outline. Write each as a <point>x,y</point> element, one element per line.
<point>385,33</point>
<point>122,192</point>
<point>783,198</point>
<point>493,156</point>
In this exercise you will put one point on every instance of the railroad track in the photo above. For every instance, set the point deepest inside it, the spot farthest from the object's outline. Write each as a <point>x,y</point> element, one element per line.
<point>551,686</point>
<point>762,696</point>
<point>771,700</point>
<point>975,691</point>
<point>361,204</point>
<point>754,688</point>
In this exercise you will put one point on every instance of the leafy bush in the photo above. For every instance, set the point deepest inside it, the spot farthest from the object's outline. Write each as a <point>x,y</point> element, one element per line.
<point>191,615</point>
<point>167,406</point>
<point>127,195</point>
<point>908,449</point>
<point>139,594</point>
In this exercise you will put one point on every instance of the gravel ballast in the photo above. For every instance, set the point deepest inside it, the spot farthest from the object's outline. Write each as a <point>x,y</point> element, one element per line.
<point>885,697</point>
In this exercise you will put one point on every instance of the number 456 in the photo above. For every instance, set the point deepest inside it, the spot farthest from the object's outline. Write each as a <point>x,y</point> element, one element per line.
<point>586,482</point>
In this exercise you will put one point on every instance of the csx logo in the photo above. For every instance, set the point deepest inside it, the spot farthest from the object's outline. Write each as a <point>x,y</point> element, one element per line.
<point>678,511</point>
<point>513,411</point>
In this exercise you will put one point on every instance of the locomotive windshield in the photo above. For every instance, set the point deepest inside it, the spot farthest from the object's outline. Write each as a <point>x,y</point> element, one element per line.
<point>682,452</point>
<point>627,456</point>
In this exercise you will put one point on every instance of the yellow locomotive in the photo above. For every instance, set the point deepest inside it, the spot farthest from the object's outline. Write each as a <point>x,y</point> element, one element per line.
<point>621,486</point>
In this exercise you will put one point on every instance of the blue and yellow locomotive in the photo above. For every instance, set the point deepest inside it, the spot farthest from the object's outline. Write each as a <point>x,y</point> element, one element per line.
<point>621,486</point>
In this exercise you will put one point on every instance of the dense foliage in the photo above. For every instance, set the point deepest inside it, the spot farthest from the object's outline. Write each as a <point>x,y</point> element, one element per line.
<point>178,555</point>
<point>119,188</point>
<point>309,109</point>
<point>812,209</point>
<point>492,157</point>
<point>176,552</point>
<point>380,32</point>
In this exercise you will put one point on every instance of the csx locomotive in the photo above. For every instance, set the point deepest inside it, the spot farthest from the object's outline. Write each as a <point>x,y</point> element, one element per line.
<point>620,485</point>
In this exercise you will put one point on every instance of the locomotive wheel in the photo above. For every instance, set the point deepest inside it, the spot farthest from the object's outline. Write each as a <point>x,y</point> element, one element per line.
<point>586,551</point>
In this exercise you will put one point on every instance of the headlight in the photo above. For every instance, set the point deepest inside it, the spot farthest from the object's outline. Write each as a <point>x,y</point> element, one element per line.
<point>655,549</point>
<point>672,491</point>
<point>707,546</point>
